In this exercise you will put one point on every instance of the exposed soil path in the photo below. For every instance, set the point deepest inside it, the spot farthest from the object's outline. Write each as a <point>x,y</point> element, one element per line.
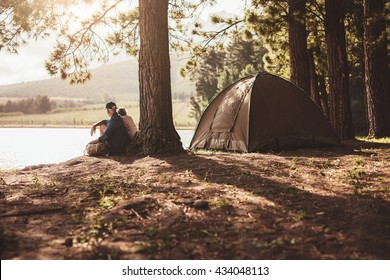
<point>304,204</point>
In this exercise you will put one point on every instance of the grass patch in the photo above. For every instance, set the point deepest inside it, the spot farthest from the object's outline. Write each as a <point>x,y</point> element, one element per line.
<point>385,140</point>
<point>358,176</point>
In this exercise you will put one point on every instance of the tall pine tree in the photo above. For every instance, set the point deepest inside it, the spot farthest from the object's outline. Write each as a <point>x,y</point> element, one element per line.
<point>157,132</point>
<point>338,74</point>
<point>377,73</point>
<point>299,59</point>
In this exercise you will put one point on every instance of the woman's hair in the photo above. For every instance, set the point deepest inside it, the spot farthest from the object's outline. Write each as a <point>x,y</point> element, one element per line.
<point>122,111</point>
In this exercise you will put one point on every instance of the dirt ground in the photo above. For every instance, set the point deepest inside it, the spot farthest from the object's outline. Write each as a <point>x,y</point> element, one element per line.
<point>329,203</point>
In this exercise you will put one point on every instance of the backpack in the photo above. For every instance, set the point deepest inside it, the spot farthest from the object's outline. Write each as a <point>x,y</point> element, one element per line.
<point>98,149</point>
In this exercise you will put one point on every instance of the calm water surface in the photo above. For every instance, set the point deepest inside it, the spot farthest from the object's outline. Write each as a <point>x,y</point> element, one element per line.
<point>21,147</point>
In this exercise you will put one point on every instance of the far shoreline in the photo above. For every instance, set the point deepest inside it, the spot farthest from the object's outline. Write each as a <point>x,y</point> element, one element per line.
<point>73,126</point>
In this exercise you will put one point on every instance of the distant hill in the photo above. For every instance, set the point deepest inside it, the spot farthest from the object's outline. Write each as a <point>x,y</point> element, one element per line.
<point>118,81</point>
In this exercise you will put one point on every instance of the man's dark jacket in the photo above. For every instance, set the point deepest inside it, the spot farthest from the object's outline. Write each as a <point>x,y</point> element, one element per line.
<point>116,135</point>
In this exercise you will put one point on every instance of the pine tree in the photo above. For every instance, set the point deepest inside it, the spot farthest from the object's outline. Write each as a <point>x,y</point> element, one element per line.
<point>377,73</point>
<point>21,21</point>
<point>75,50</point>
<point>299,58</point>
<point>338,72</point>
<point>219,67</point>
<point>157,133</point>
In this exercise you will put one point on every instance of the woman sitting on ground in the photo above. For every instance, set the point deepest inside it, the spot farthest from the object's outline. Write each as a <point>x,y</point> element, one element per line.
<point>129,123</point>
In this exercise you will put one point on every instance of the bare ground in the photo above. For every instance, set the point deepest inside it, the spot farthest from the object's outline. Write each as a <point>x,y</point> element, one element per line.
<point>306,204</point>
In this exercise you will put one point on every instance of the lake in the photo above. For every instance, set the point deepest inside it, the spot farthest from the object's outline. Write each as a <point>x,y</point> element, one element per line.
<point>21,147</point>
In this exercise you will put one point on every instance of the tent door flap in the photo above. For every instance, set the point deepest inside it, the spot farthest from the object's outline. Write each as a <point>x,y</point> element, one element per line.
<point>219,140</point>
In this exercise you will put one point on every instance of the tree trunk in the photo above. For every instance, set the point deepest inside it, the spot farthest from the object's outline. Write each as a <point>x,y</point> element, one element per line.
<point>314,89</point>
<point>297,37</point>
<point>323,95</point>
<point>340,103</point>
<point>377,73</point>
<point>157,132</point>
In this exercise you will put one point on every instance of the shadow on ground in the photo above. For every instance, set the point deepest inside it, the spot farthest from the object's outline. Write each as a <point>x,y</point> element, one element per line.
<point>304,204</point>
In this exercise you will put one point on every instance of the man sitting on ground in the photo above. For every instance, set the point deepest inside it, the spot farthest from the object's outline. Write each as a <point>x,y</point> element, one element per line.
<point>112,131</point>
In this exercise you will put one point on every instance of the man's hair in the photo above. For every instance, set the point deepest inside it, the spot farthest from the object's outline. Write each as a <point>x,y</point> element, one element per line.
<point>122,111</point>
<point>111,105</point>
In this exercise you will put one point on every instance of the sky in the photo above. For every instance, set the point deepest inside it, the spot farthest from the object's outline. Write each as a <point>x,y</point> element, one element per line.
<point>28,64</point>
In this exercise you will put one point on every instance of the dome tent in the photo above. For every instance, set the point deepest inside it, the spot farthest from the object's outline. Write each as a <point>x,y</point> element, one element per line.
<point>261,113</point>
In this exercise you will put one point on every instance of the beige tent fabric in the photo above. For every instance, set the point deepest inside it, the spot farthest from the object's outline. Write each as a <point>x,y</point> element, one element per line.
<point>218,127</point>
<point>261,113</point>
